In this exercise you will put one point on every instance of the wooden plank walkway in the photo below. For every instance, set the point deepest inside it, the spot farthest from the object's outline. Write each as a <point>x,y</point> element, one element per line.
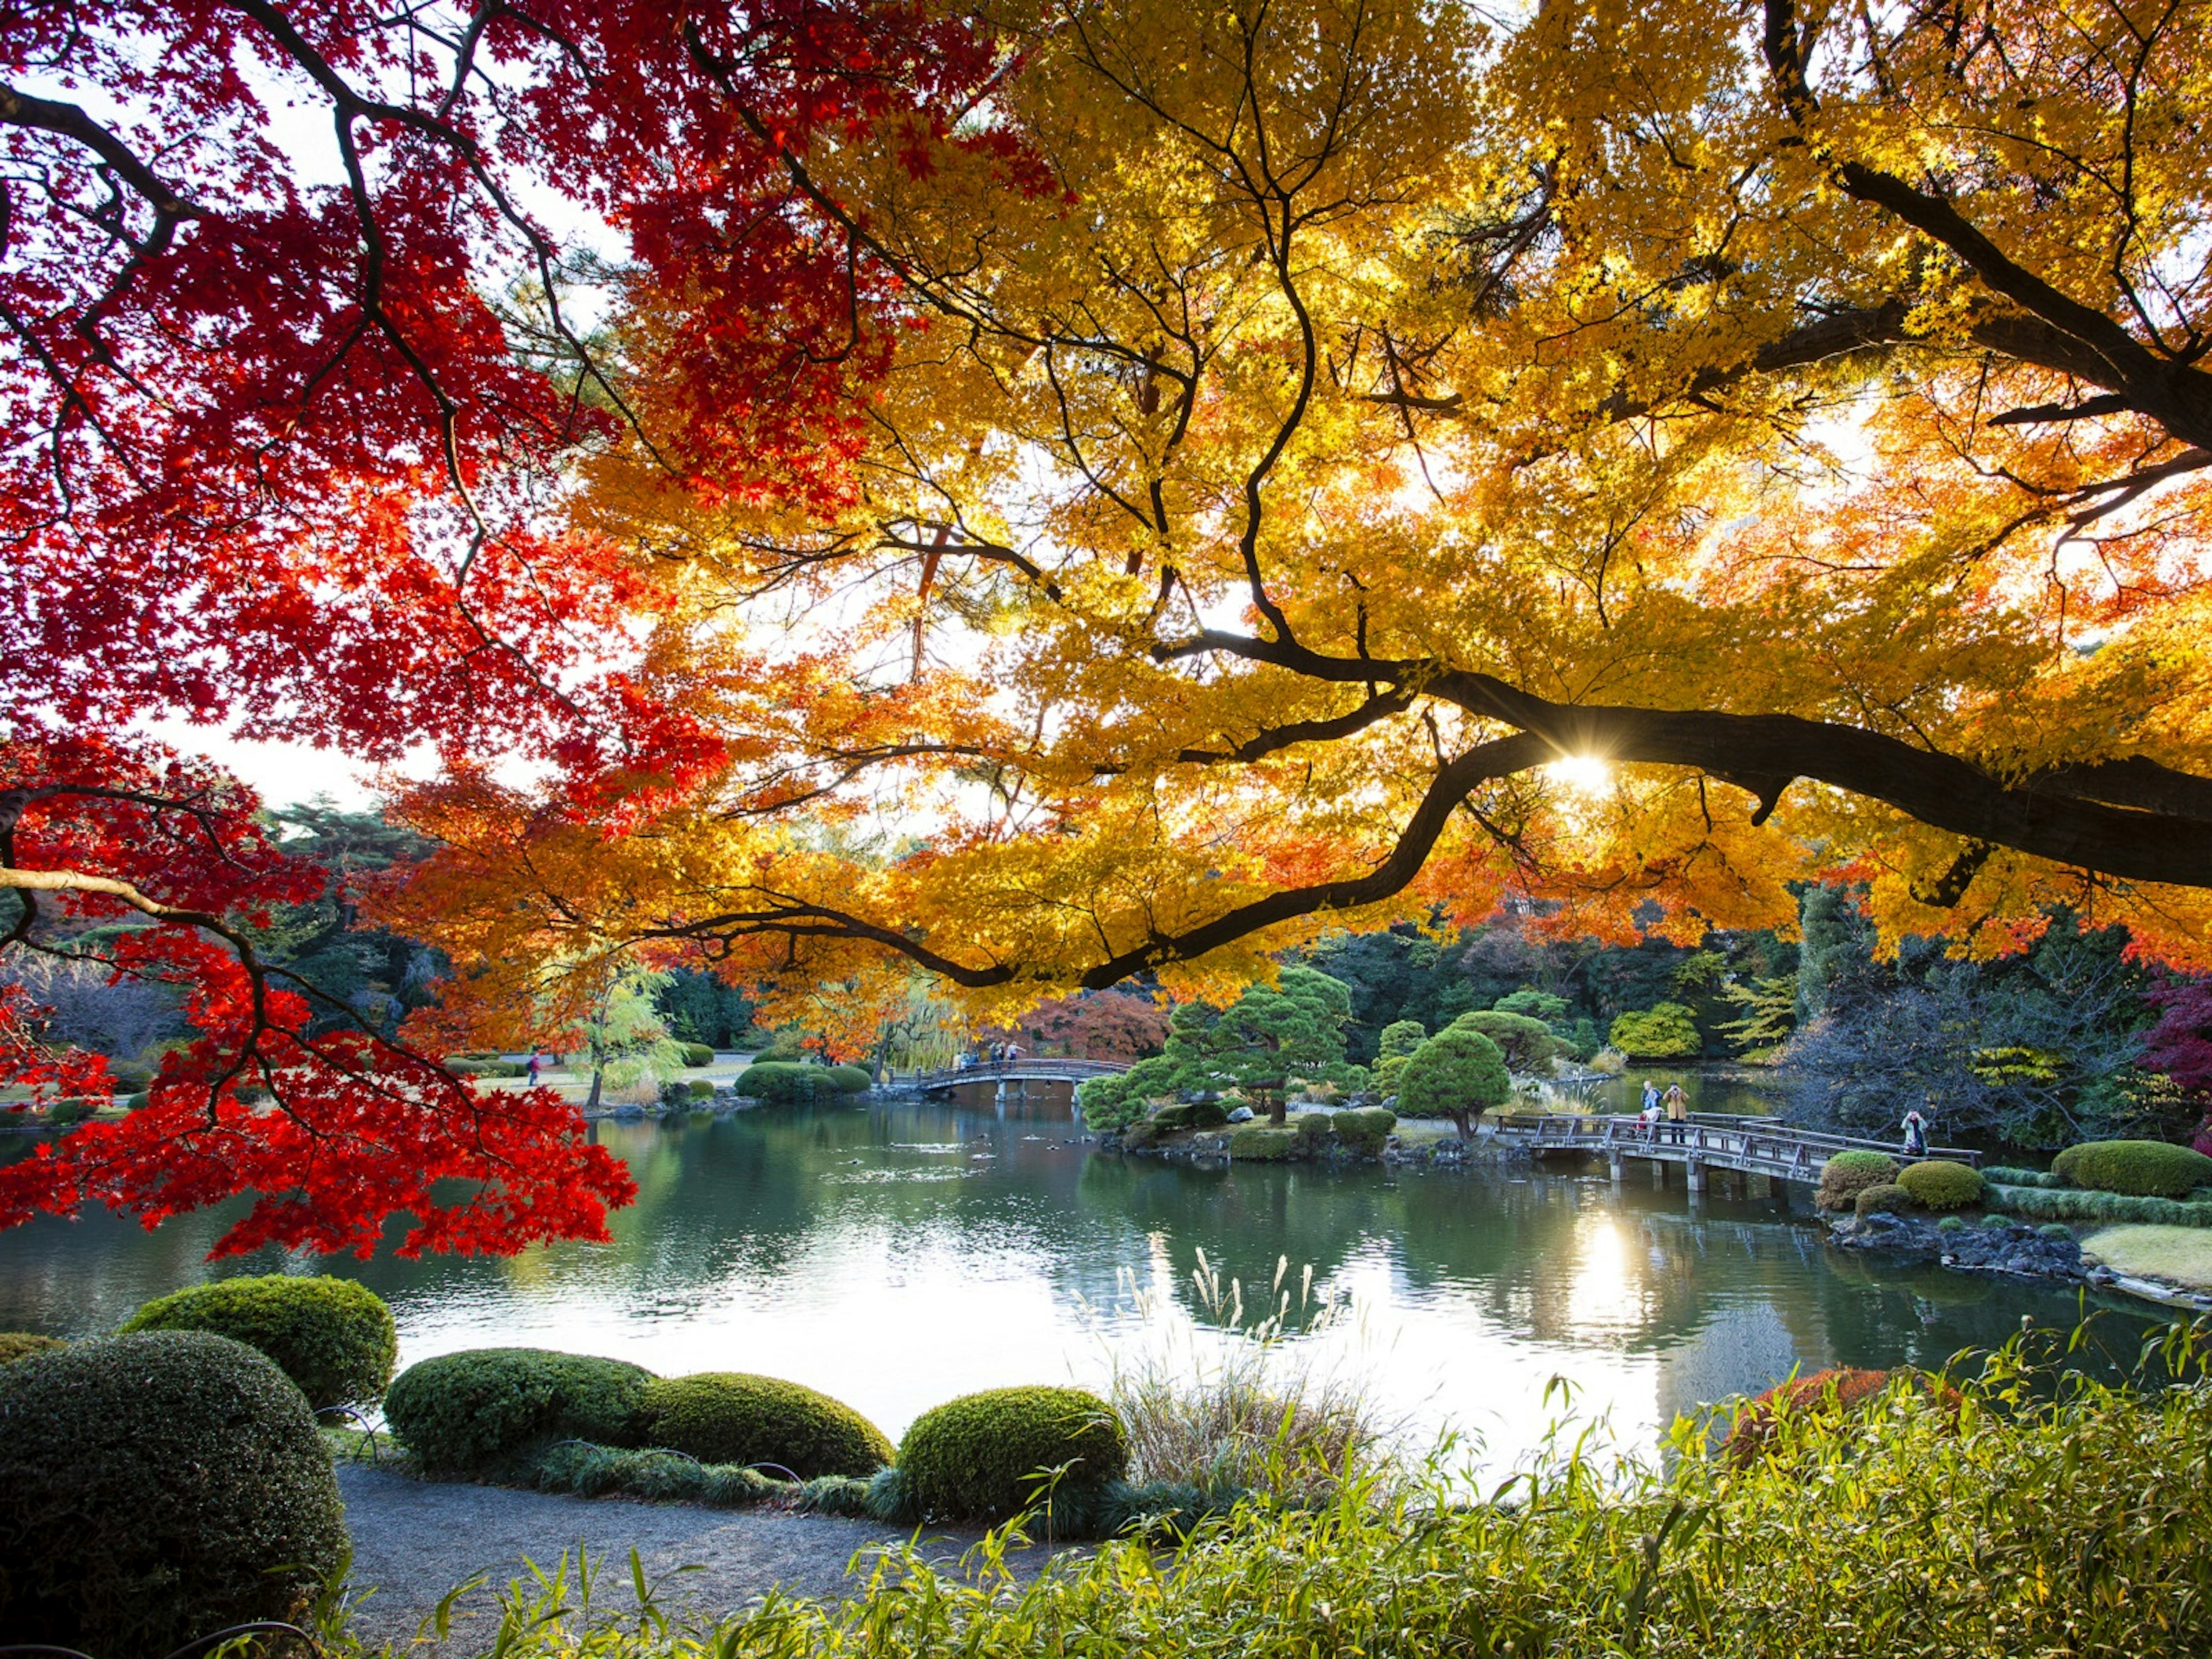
<point>1706,1141</point>
<point>1020,1071</point>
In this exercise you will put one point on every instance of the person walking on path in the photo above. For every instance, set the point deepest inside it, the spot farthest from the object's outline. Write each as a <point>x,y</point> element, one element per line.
<point>533,1072</point>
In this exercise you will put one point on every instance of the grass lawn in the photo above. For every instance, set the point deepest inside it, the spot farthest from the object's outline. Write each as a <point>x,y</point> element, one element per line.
<point>2183,1254</point>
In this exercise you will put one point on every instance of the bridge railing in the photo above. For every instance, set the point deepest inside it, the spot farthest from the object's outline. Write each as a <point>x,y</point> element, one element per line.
<point>1758,1139</point>
<point>1045,1068</point>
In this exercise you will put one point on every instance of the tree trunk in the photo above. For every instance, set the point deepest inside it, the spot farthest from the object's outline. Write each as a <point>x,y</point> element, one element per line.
<point>599,1076</point>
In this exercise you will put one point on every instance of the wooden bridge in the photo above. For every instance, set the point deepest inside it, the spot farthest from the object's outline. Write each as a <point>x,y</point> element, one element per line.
<point>1019,1071</point>
<point>1707,1141</point>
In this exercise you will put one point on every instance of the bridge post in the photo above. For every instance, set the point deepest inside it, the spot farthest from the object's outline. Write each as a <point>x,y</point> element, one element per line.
<point>1617,1165</point>
<point>1696,1168</point>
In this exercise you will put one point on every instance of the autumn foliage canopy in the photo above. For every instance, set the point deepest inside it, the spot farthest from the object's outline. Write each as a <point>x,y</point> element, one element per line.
<point>1035,494</point>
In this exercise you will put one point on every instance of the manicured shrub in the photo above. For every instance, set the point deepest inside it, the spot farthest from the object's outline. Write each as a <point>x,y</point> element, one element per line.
<point>699,1088</point>
<point>2055,1229</point>
<point>730,1417</point>
<point>1847,1175</point>
<point>1998,1175</point>
<point>332,1337</point>
<point>485,1410</point>
<point>22,1345</point>
<point>1312,1130</point>
<point>1191,1115</point>
<point>2071,1204</point>
<point>786,1083</point>
<point>1938,1183</point>
<point>1364,1130</point>
<point>1952,1224</point>
<point>1140,1134</point>
<point>585,1470</point>
<point>981,1457</point>
<point>1667,1031</point>
<point>484,1066</point>
<point>850,1079</point>
<point>1457,1073</point>
<point>1527,1044</point>
<point>1888,1198</point>
<point>157,1487</point>
<point>1259,1143</point>
<point>696,1053</point>
<point>2137,1169</point>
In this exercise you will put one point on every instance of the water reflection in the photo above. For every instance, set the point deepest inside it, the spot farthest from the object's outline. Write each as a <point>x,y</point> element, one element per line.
<point>897,1254</point>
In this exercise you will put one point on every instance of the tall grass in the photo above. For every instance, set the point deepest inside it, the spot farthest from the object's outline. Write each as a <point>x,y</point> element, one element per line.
<point>2026,1512</point>
<point>1230,1405</point>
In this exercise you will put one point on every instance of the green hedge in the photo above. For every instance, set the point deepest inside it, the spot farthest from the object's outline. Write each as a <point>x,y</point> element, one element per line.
<point>1191,1115</point>
<point>1848,1173</point>
<point>851,1079</point>
<point>2139,1168</point>
<point>488,1410</point>
<point>1886,1199</point>
<point>484,1066</point>
<point>696,1053</point>
<point>979,1457</point>
<point>1364,1129</point>
<point>154,1488</point>
<point>730,1417</point>
<point>1260,1142</point>
<point>1938,1183</point>
<point>1998,1175</point>
<point>2072,1204</point>
<point>332,1337</point>
<point>22,1345</point>
<point>786,1082</point>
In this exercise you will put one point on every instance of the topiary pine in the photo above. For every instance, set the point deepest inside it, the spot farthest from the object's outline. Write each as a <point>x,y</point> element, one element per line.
<point>985,1456</point>
<point>332,1337</point>
<point>733,1417</point>
<point>156,1487</point>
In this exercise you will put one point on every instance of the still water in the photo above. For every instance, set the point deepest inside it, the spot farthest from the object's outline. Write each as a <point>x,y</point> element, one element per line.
<point>897,1253</point>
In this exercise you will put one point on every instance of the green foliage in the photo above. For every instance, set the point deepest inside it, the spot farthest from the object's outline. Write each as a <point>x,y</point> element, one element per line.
<point>1527,1044</point>
<point>1847,1175</point>
<point>2048,1229</point>
<point>983,1456</point>
<point>1191,1115</point>
<point>1116,1101</point>
<point>785,1083</point>
<point>1257,1143</point>
<point>700,1089</point>
<point>1937,1184</point>
<point>1953,1223</point>
<point>1291,1030</point>
<point>695,1054</point>
<point>584,1470</point>
<point>1532,1004</point>
<point>157,1487</point>
<point>1999,1176</point>
<point>22,1345</point>
<point>1886,1198</point>
<point>2139,1168</point>
<point>851,1079</point>
<point>705,1012</point>
<point>2027,1514</point>
<point>2074,1204</point>
<point>484,1410</point>
<point>332,1337</point>
<point>1583,1040</point>
<point>1667,1031</point>
<point>1363,1131</point>
<point>1397,1044</point>
<point>1454,1074</point>
<point>731,1417</point>
<point>484,1066</point>
<point>1769,1016</point>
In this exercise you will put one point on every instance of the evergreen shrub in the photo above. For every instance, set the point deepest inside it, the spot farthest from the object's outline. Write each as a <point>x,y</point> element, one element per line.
<point>2138,1169</point>
<point>157,1487</point>
<point>1998,1175</point>
<point>851,1079</point>
<point>1938,1183</point>
<point>982,1457</point>
<point>487,1410</point>
<point>733,1417</point>
<point>22,1345</point>
<point>1848,1173</point>
<point>2072,1204</point>
<point>1364,1130</point>
<point>1260,1142</point>
<point>786,1083</point>
<point>700,1089</point>
<point>696,1053</point>
<point>1665,1031</point>
<point>1886,1198</point>
<point>333,1337</point>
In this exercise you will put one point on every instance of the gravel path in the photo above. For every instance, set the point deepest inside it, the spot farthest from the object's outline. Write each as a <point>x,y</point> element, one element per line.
<point>415,1540</point>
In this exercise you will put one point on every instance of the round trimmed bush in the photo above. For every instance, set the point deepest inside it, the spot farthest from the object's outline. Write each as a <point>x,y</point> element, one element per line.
<point>1886,1198</point>
<point>2140,1169</point>
<point>981,1457</point>
<point>1938,1183</point>
<point>486,1409</point>
<point>1257,1143</point>
<point>22,1345</point>
<point>1364,1129</point>
<point>785,1082</point>
<point>1847,1175</point>
<point>696,1053</point>
<point>851,1079</point>
<point>332,1337</point>
<point>157,1487</point>
<point>730,1417</point>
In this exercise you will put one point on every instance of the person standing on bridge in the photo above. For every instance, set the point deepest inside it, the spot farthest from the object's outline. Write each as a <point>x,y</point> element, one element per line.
<point>1916,1133</point>
<point>1678,1104</point>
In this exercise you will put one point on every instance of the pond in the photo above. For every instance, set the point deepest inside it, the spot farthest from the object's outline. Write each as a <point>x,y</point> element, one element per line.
<point>896,1253</point>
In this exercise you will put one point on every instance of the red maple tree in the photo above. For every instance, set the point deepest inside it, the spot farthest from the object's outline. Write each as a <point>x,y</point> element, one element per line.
<point>295,354</point>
